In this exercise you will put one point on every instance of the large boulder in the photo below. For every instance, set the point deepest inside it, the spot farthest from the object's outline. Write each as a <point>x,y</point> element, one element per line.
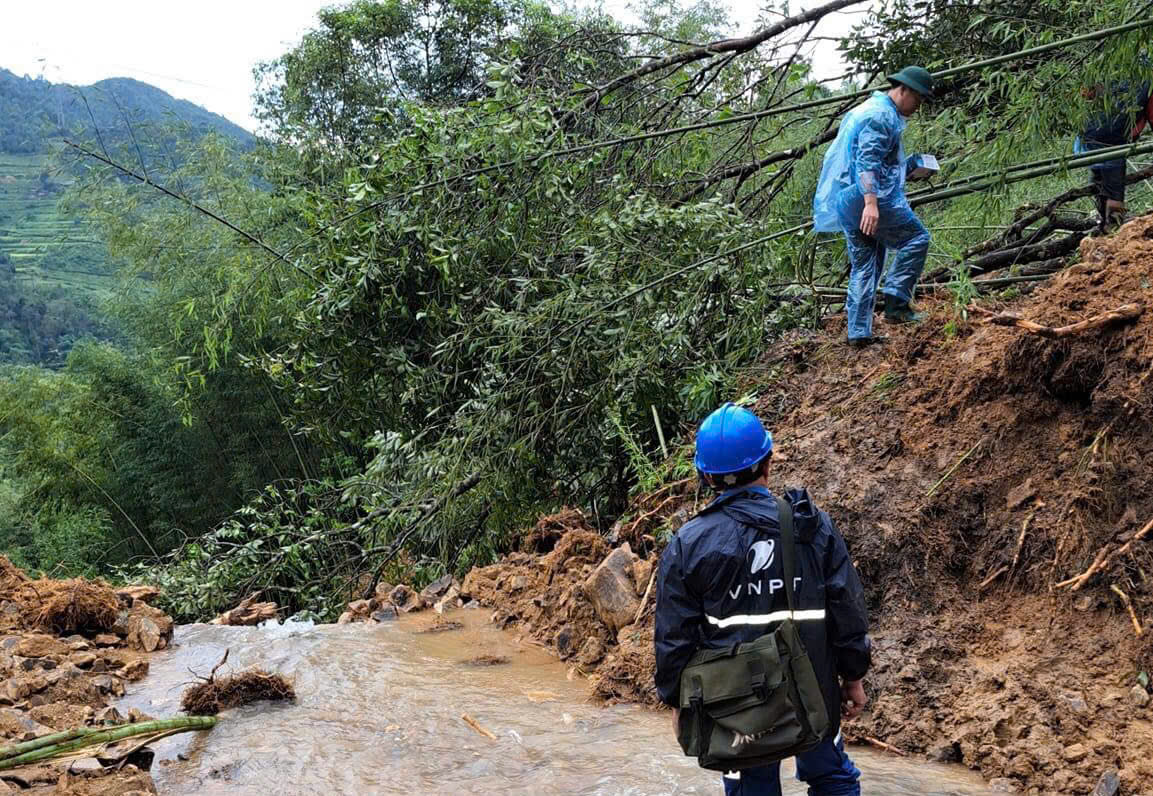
<point>611,590</point>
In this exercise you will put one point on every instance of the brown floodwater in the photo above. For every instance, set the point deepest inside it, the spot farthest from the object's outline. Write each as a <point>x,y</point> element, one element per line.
<point>379,710</point>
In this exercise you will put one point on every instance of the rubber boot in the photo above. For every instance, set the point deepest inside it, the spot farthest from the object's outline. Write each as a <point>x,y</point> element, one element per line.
<point>898,311</point>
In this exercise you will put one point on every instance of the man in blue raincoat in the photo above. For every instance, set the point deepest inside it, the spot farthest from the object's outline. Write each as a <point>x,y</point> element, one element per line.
<point>861,193</point>
<point>716,588</point>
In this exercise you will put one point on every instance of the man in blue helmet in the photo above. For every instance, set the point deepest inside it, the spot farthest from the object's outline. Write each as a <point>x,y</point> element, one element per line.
<point>861,193</point>
<point>720,584</point>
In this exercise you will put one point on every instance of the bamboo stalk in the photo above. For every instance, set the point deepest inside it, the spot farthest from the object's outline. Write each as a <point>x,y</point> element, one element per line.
<point>953,469</point>
<point>62,743</point>
<point>1122,314</point>
<point>755,115</point>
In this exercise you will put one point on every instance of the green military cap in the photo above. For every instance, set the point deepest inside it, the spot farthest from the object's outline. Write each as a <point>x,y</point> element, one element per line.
<point>917,78</point>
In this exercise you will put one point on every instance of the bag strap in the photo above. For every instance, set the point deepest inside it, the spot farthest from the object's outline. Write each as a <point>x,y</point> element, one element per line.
<point>788,548</point>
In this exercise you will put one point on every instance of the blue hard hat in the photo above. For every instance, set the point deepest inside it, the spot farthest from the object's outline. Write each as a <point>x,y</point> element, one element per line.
<point>731,439</point>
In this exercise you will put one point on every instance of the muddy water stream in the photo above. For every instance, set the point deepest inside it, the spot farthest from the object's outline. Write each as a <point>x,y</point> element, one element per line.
<point>379,711</point>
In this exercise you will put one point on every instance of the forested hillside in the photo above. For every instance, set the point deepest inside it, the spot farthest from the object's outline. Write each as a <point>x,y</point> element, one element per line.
<point>54,270</point>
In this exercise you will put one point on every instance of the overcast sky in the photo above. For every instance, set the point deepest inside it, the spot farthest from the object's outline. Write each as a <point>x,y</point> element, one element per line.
<point>205,51</point>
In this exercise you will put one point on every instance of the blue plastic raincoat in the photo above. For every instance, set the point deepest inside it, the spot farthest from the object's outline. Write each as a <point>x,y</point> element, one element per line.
<point>867,154</point>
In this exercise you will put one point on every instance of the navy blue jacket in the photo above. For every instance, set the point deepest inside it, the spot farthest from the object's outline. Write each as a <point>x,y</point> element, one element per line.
<point>1122,108</point>
<point>721,582</point>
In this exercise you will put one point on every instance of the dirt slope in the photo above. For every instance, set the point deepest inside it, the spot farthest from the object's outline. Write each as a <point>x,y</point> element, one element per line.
<point>972,467</point>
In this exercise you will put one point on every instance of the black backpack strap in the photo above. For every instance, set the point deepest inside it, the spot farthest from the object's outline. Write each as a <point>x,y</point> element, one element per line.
<point>788,548</point>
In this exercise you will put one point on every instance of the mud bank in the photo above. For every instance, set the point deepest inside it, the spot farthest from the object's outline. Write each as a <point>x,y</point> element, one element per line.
<point>67,648</point>
<point>994,488</point>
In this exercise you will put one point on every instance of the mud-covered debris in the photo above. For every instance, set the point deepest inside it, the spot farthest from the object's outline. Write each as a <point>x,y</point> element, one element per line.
<point>143,593</point>
<point>221,693</point>
<point>443,626</point>
<point>486,660</point>
<point>248,612</point>
<point>67,606</point>
<point>548,531</point>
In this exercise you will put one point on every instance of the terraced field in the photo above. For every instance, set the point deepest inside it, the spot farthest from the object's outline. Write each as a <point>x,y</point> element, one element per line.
<point>42,247</point>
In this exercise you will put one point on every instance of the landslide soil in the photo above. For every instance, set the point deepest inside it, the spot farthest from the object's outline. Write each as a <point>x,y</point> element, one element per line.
<point>67,647</point>
<point>972,468</point>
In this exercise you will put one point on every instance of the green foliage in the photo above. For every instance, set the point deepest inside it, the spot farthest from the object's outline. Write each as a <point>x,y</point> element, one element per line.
<point>294,544</point>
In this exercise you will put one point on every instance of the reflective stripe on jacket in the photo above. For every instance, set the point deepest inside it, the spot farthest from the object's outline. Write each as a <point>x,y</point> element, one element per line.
<point>720,583</point>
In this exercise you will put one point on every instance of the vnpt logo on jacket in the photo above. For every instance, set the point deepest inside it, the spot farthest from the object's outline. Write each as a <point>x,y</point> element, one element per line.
<point>761,554</point>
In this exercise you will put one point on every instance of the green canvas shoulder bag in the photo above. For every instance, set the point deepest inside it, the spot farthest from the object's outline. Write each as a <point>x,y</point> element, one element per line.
<point>754,703</point>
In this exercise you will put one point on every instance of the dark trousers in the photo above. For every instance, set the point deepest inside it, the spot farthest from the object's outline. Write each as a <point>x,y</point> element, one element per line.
<point>825,768</point>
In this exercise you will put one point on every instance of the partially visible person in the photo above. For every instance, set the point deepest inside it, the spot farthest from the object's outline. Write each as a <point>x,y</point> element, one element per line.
<point>1121,114</point>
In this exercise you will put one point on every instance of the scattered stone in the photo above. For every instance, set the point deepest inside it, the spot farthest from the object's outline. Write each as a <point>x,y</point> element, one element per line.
<point>1139,696</point>
<point>384,615</point>
<point>106,640</point>
<point>443,626</point>
<point>1002,785</point>
<point>610,589</point>
<point>16,724</point>
<point>591,651</point>
<point>1108,784</point>
<point>359,607</point>
<point>85,764</point>
<point>404,598</point>
<point>144,627</point>
<point>565,642</point>
<point>82,659</point>
<point>109,684</point>
<point>136,715</point>
<point>346,618</point>
<point>135,670</point>
<point>40,646</point>
<point>518,583</point>
<point>1076,702</point>
<point>448,601</point>
<point>80,645</point>
<point>437,589</point>
<point>109,715</point>
<point>486,660</point>
<point>1075,753</point>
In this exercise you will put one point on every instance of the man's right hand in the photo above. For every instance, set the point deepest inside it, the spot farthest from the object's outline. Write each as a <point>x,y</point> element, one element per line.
<point>870,216</point>
<point>853,698</point>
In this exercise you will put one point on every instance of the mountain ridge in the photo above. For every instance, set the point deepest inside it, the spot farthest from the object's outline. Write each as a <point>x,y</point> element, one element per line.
<point>34,110</point>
